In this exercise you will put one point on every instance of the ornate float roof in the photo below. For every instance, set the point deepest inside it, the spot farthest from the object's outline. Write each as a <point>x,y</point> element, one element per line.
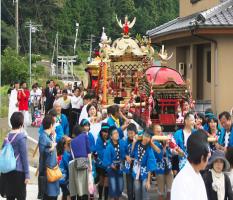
<point>126,45</point>
<point>161,75</point>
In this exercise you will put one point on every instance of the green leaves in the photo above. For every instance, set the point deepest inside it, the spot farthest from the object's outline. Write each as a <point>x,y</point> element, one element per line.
<point>92,15</point>
<point>14,67</point>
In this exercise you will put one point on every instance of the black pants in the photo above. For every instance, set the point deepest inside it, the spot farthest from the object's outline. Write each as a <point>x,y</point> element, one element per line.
<point>66,112</point>
<point>12,185</point>
<point>15,198</point>
<point>49,198</point>
<point>84,197</point>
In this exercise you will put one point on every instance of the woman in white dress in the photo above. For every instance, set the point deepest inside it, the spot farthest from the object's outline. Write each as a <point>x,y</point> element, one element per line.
<point>13,102</point>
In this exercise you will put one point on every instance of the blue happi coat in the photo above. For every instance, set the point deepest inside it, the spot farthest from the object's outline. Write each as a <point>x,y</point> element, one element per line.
<point>147,164</point>
<point>111,122</point>
<point>162,158</point>
<point>110,157</point>
<point>128,152</point>
<point>100,148</point>
<point>64,167</point>
<point>221,139</point>
<point>179,137</point>
<point>92,142</point>
<point>65,124</point>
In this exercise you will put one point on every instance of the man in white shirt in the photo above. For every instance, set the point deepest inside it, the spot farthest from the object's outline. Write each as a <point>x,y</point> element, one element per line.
<point>76,104</point>
<point>188,184</point>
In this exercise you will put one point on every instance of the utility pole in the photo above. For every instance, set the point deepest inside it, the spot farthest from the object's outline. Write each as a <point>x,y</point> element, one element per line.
<point>76,35</point>
<point>57,52</point>
<point>32,29</point>
<point>16,2</point>
<point>30,52</point>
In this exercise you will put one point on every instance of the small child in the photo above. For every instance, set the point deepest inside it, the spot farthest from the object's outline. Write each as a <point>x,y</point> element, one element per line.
<point>144,165</point>
<point>218,186</point>
<point>131,132</point>
<point>113,157</point>
<point>163,169</point>
<point>64,157</point>
<point>101,144</point>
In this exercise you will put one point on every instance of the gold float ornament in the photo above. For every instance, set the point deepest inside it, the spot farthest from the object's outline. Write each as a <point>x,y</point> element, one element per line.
<point>105,76</point>
<point>127,25</point>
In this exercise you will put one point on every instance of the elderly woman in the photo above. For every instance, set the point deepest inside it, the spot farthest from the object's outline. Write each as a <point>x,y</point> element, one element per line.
<point>80,165</point>
<point>48,158</point>
<point>61,118</point>
<point>13,184</point>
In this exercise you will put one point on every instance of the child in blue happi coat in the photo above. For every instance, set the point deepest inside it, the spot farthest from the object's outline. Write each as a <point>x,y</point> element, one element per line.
<point>144,165</point>
<point>63,151</point>
<point>163,164</point>
<point>101,144</point>
<point>114,156</point>
<point>131,132</point>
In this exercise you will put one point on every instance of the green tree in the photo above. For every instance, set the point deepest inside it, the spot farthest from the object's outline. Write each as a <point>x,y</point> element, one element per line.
<point>8,35</point>
<point>14,67</point>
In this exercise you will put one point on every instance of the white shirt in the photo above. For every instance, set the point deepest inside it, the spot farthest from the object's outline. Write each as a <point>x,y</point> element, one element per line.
<point>65,104</point>
<point>230,175</point>
<point>95,128</point>
<point>39,91</point>
<point>188,185</point>
<point>83,114</point>
<point>227,135</point>
<point>186,136</point>
<point>76,102</point>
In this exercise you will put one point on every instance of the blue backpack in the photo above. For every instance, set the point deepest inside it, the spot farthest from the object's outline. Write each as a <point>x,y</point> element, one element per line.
<point>7,156</point>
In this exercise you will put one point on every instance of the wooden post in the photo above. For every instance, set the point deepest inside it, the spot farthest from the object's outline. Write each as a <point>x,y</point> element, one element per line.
<point>105,77</point>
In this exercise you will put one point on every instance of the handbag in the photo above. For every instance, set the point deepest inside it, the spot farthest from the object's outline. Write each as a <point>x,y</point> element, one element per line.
<point>53,174</point>
<point>81,163</point>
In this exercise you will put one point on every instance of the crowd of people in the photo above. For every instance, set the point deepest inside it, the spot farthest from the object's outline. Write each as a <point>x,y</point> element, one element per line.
<point>88,151</point>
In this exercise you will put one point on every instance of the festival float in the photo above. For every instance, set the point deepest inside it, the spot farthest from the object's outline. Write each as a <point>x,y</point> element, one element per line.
<point>124,73</point>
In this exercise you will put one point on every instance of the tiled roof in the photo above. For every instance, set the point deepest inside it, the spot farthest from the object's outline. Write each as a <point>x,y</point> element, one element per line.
<point>218,16</point>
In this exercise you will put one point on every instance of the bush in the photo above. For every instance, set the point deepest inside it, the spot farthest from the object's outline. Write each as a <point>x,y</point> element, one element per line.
<point>14,67</point>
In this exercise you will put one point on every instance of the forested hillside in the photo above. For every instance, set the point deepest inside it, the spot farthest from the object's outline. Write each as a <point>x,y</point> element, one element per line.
<point>61,15</point>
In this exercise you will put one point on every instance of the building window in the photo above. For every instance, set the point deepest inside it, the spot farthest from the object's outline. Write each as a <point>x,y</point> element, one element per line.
<point>208,59</point>
<point>194,1</point>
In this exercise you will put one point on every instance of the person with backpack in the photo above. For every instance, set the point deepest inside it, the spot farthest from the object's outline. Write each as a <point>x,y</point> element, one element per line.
<point>14,166</point>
